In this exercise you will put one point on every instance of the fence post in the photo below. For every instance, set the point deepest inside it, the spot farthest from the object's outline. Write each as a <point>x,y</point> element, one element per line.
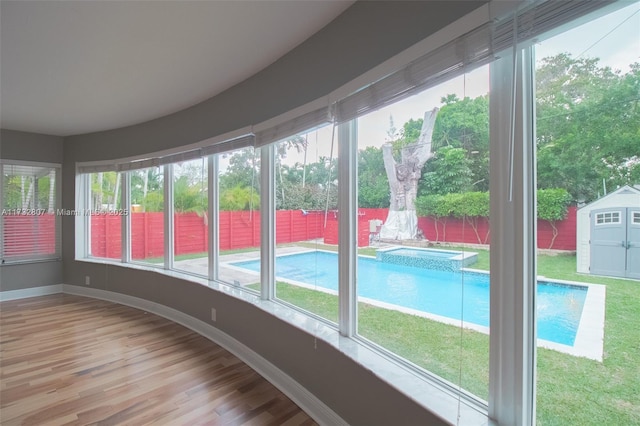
<point>291,227</point>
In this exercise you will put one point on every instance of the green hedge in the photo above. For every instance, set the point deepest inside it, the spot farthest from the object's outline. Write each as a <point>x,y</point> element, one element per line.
<point>552,204</point>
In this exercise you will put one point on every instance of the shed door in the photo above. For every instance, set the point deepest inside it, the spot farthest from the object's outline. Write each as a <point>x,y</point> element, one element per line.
<point>609,242</point>
<point>633,243</point>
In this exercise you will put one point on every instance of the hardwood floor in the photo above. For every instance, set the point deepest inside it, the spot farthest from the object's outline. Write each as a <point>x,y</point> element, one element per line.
<point>72,360</point>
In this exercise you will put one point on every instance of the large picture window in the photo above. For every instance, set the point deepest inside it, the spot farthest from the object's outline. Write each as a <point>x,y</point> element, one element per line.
<point>238,219</point>
<point>588,145</point>
<point>30,221</point>
<point>306,196</point>
<point>191,217</point>
<point>423,223</point>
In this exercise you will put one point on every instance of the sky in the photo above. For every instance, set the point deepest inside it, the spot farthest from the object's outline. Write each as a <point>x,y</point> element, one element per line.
<point>614,38</point>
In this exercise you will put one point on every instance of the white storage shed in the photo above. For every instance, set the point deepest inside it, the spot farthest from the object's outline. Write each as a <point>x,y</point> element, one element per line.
<point>608,235</point>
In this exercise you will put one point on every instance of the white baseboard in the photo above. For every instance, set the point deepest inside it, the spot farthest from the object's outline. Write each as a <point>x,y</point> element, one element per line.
<point>319,411</point>
<point>30,292</point>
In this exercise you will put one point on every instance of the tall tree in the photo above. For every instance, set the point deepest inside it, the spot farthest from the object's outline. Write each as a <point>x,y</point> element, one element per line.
<point>588,126</point>
<point>464,123</point>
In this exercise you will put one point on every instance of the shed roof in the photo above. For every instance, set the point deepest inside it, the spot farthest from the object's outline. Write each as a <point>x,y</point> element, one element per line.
<point>622,190</point>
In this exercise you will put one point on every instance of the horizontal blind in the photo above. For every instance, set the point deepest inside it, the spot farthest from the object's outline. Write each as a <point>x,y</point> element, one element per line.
<point>466,52</point>
<point>302,123</point>
<point>98,168</point>
<point>230,145</point>
<point>31,214</point>
<point>541,18</point>
<point>181,156</point>
<point>139,164</point>
<point>469,51</point>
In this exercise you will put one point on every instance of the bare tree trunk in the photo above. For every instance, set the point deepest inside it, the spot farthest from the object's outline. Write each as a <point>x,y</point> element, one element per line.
<point>145,189</point>
<point>304,163</point>
<point>27,201</point>
<point>99,197</point>
<point>52,190</point>
<point>115,191</point>
<point>402,220</point>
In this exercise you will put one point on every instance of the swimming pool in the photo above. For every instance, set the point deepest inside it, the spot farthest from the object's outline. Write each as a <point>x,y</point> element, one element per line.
<point>559,306</point>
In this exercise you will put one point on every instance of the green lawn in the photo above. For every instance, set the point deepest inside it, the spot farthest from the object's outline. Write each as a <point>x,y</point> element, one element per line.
<point>571,390</point>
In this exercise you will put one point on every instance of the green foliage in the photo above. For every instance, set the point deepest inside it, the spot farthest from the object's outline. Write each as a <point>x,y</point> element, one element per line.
<point>239,198</point>
<point>464,123</point>
<point>153,202</point>
<point>104,190</point>
<point>309,197</point>
<point>473,204</point>
<point>587,126</point>
<point>446,172</point>
<point>409,134</point>
<point>243,170</point>
<point>189,197</point>
<point>28,191</point>
<point>373,185</point>
<point>553,204</point>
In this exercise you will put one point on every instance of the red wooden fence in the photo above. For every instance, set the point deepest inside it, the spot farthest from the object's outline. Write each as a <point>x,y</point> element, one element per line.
<point>241,229</point>
<point>238,229</point>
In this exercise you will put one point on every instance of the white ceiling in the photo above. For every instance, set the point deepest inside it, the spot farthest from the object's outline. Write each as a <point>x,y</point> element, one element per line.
<point>73,67</point>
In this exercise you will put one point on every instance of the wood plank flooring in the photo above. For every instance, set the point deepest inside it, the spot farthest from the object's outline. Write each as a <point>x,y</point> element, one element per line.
<point>72,360</point>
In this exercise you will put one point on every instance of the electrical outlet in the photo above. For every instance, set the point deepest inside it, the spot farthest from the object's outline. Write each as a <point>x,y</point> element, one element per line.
<point>213,314</point>
<point>87,280</point>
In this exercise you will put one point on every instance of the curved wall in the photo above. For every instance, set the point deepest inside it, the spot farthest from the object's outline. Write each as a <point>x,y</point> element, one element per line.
<point>365,35</point>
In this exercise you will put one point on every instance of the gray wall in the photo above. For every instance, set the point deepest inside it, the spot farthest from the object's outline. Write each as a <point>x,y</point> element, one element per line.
<point>365,35</point>
<point>30,147</point>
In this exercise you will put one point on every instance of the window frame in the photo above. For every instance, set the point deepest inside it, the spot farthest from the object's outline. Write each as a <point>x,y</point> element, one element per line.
<point>57,212</point>
<point>608,218</point>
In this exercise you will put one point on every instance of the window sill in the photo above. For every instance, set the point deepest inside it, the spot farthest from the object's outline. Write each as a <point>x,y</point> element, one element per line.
<point>424,390</point>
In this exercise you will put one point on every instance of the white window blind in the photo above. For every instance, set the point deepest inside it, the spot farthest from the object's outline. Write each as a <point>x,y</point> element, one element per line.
<point>230,145</point>
<point>301,123</point>
<point>182,156</point>
<point>98,168</point>
<point>30,221</point>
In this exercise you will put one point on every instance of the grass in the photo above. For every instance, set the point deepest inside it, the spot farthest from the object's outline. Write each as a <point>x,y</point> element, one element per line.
<point>570,390</point>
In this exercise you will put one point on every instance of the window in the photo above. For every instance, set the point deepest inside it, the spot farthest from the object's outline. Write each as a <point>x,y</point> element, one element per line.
<point>147,215</point>
<point>191,217</point>
<point>306,222</point>
<point>636,218</point>
<point>105,222</point>
<point>423,199</point>
<point>30,221</point>
<point>586,101</point>
<point>607,217</point>
<point>238,218</point>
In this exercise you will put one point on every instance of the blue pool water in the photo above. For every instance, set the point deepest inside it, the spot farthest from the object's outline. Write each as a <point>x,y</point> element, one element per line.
<point>559,307</point>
